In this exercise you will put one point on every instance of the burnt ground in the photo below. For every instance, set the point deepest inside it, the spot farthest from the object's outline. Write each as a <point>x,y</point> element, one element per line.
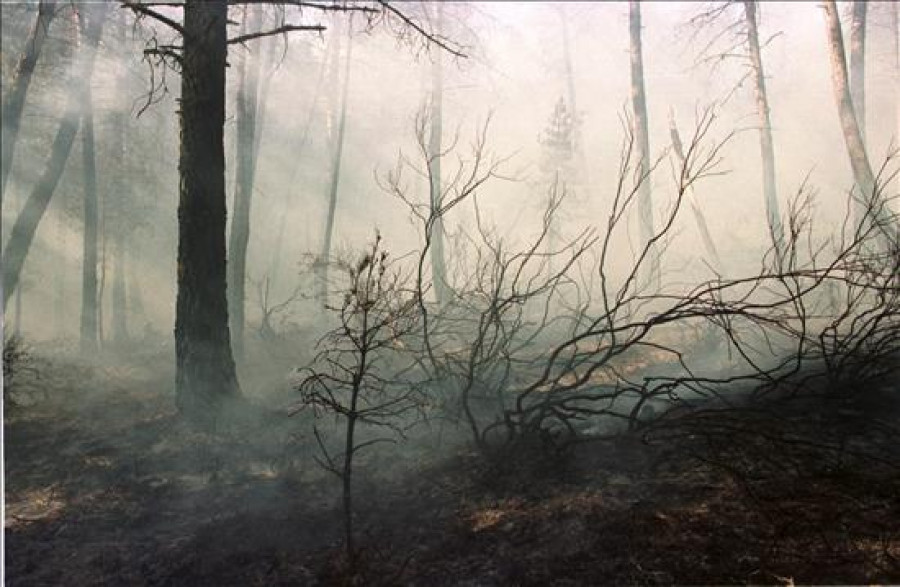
<point>105,485</point>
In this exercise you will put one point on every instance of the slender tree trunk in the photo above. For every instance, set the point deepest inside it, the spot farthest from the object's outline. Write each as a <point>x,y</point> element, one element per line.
<point>642,134</point>
<point>347,479</point>
<point>336,170</point>
<point>246,167</point>
<point>121,190</point>
<point>88,332</point>
<point>205,371</point>
<point>856,150</point>
<point>119,293</point>
<point>14,103</point>
<point>25,227</point>
<point>59,282</point>
<point>438,259</point>
<point>699,217</point>
<point>858,64</point>
<point>101,285</point>
<point>766,143</point>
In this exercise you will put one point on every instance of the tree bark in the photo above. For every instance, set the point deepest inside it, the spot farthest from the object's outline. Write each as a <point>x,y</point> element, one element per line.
<point>246,168</point>
<point>766,143</point>
<point>642,135</point>
<point>88,331</point>
<point>205,371</point>
<point>14,103</point>
<point>858,64</point>
<point>25,227</point>
<point>335,170</point>
<point>438,259</point>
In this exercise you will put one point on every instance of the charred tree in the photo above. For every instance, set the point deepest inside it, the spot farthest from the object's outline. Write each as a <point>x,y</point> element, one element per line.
<point>205,371</point>
<point>14,103</point>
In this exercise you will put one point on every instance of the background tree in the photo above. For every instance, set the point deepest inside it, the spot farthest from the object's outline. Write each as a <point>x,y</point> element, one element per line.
<point>248,136</point>
<point>642,134</point>
<point>14,101</point>
<point>741,38</point>
<point>337,155</point>
<point>858,17</point>
<point>853,138</point>
<point>29,218</point>
<point>89,336</point>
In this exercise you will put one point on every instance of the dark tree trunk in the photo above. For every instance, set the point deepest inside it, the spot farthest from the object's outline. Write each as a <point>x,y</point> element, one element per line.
<point>88,333</point>
<point>25,227</point>
<point>246,167</point>
<point>766,143</point>
<point>335,170</point>
<point>14,103</point>
<point>642,135</point>
<point>205,372</point>
<point>438,259</point>
<point>858,64</point>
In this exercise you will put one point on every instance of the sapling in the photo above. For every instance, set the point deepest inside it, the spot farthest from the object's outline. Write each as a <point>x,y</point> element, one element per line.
<point>360,374</point>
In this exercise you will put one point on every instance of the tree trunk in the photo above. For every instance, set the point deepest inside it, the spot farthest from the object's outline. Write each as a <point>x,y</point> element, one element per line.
<point>25,227</point>
<point>438,259</point>
<point>858,64</point>
<point>246,167</point>
<point>856,150</point>
<point>88,332</point>
<point>335,170</point>
<point>59,282</point>
<point>766,143</point>
<point>205,371</point>
<point>642,135</point>
<point>119,294</point>
<point>699,217</point>
<point>14,103</point>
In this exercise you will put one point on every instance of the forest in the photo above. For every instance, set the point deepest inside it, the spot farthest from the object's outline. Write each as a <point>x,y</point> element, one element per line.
<point>427,293</point>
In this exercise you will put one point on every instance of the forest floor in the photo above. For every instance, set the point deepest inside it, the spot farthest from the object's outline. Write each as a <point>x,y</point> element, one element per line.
<point>105,485</point>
